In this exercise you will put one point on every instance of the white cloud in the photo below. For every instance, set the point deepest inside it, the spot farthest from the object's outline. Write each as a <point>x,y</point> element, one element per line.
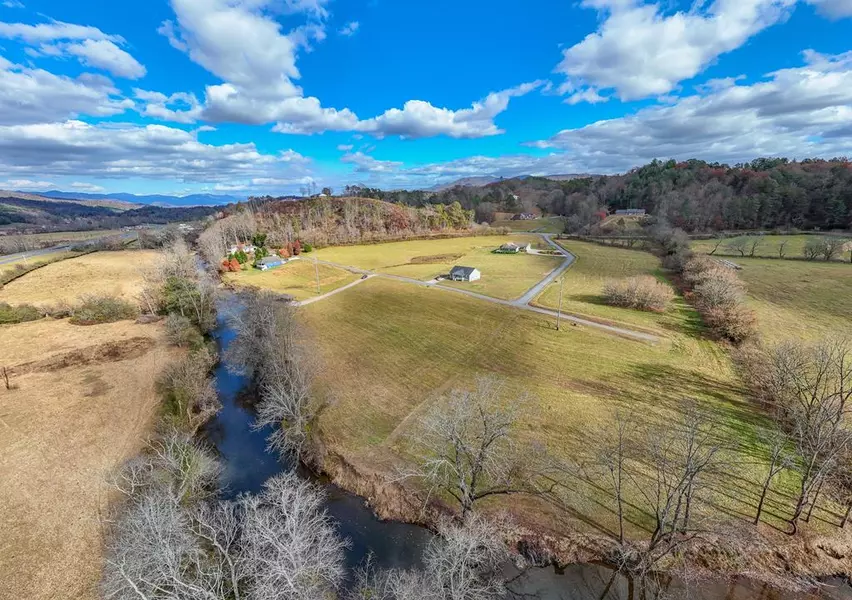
<point>13,4</point>
<point>345,147</point>
<point>833,9</point>
<point>418,119</point>
<point>796,112</point>
<point>103,54</point>
<point>639,51</point>
<point>89,45</point>
<point>364,163</point>
<point>109,150</point>
<point>34,95</point>
<point>89,188</point>
<point>54,30</point>
<point>350,28</point>
<point>177,108</point>
<point>26,185</point>
<point>589,95</point>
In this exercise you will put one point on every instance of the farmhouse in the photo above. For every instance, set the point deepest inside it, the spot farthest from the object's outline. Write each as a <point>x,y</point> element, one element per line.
<point>270,262</point>
<point>247,248</point>
<point>524,217</point>
<point>513,248</point>
<point>465,274</point>
<point>631,212</point>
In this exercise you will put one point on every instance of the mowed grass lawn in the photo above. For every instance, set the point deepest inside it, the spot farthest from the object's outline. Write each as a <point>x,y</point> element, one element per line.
<point>297,278</point>
<point>799,299</point>
<point>770,245</point>
<point>111,273</point>
<point>390,349</point>
<point>505,276</point>
<point>583,282</point>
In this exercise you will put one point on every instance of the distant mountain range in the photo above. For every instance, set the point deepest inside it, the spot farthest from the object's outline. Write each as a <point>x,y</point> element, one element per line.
<point>152,199</point>
<point>488,179</point>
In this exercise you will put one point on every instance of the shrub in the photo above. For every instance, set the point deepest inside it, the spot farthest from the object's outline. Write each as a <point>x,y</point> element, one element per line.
<point>182,333</point>
<point>642,293</point>
<point>188,392</point>
<point>307,247</point>
<point>735,323</point>
<point>18,314</point>
<point>103,309</point>
<point>719,288</point>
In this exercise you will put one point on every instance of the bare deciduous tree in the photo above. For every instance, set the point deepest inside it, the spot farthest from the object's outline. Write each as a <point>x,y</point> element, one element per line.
<point>811,387</point>
<point>467,445</point>
<point>612,457</point>
<point>777,444</point>
<point>739,245</point>
<point>290,546</point>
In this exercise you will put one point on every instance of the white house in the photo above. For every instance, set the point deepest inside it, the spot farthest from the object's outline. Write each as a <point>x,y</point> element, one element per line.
<point>465,274</point>
<point>513,248</point>
<point>247,248</point>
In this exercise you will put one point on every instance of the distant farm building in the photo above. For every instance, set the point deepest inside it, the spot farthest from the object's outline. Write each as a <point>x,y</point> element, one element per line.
<point>270,262</point>
<point>513,248</point>
<point>631,212</point>
<point>524,217</point>
<point>465,274</point>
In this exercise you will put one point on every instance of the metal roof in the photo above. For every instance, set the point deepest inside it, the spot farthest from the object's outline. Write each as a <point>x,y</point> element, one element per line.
<point>462,270</point>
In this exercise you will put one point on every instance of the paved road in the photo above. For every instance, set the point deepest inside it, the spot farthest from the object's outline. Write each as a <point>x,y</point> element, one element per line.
<point>522,303</point>
<point>61,248</point>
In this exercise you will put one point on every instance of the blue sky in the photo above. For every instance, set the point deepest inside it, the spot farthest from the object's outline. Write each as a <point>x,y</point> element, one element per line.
<point>273,96</point>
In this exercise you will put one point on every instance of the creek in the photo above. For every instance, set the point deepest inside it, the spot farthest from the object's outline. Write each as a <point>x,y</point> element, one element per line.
<point>248,464</point>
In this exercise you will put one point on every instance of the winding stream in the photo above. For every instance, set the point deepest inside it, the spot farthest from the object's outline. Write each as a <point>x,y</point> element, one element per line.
<point>247,465</point>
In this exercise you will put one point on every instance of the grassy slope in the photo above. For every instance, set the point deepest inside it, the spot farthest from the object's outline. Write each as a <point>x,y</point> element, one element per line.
<point>584,281</point>
<point>35,260</point>
<point>115,273</point>
<point>503,276</point>
<point>393,346</point>
<point>297,278</point>
<point>799,298</point>
<point>543,224</point>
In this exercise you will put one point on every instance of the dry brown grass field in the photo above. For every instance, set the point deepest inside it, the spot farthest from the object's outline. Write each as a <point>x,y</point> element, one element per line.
<point>82,401</point>
<point>113,273</point>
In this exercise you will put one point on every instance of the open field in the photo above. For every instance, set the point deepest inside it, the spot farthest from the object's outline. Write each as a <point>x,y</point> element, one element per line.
<point>41,259</point>
<point>83,401</point>
<point>542,224</point>
<point>799,298</point>
<point>37,240</point>
<point>770,245</point>
<point>297,278</point>
<point>390,347</point>
<point>584,281</point>
<point>505,276</point>
<point>114,273</point>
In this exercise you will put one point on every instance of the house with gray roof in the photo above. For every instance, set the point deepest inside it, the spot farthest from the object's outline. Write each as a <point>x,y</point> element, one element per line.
<point>465,274</point>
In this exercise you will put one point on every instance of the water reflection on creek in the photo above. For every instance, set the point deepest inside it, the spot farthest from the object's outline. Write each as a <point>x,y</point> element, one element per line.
<point>247,465</point>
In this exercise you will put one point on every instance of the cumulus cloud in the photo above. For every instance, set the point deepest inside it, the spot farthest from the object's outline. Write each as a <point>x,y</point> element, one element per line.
<point>640,51</point>
<point>33,95</point>
<point>89,45</point>
<point>26,185</point>
<point>419,119</point>
<point>797,112</point>
<point>89,188</point>
<point>350,28</point>
<point>833,9</point>
<point>74,148</point>
<point>104,54</point>
<point>178,108</point>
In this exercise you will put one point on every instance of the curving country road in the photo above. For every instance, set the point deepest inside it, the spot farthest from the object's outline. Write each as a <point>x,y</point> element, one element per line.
<point>522,303</point>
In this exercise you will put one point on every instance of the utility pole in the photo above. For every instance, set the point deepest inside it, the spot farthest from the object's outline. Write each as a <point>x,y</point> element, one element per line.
<point>316,267</point>
<point>559,311</point>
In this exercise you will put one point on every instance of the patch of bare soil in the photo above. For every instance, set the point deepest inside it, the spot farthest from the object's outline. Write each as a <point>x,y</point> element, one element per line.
<point>434,259</point>
<point>83,401</point>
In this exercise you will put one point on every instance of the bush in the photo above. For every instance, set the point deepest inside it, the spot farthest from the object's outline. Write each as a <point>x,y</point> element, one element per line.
<point>18,314</point>
<point>182,333</point>
<point>736,323</point>
<point>719,288</point>
<point>188,392</point>
<point>642,293</point>
<point>103,309</point>
<point>306,247</point>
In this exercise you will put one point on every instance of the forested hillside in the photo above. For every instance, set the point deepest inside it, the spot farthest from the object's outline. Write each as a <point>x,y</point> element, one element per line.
<point>694,195</point>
